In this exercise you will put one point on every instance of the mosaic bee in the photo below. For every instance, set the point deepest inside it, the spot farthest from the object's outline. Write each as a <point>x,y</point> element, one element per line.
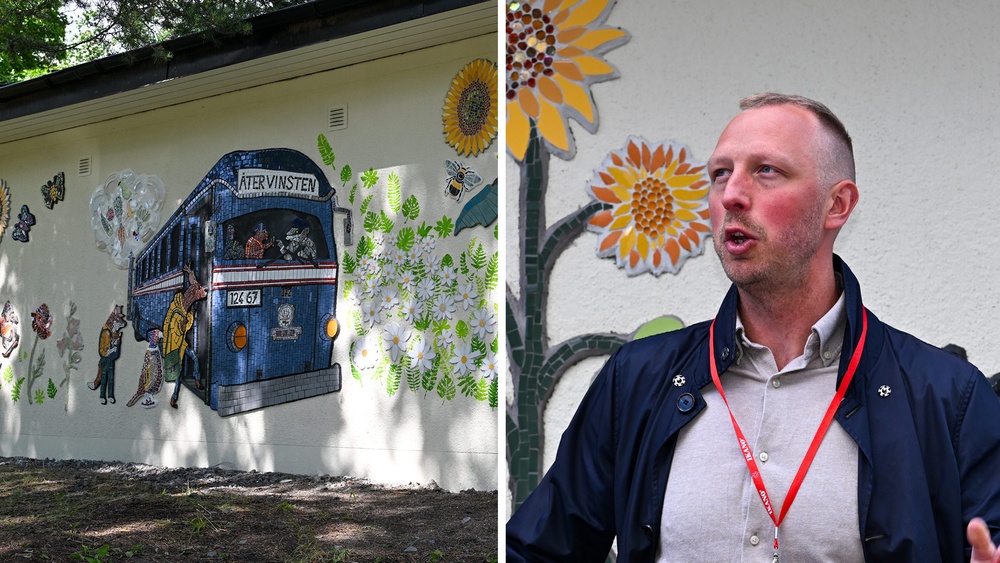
<point>24,223</point>
<point>55,190</point>
<point>460,180</point>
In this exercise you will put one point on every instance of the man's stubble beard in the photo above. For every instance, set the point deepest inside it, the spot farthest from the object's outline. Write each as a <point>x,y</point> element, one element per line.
<point>774,263</point>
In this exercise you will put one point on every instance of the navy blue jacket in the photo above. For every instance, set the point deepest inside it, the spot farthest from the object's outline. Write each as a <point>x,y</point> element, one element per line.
<point>929,453</point>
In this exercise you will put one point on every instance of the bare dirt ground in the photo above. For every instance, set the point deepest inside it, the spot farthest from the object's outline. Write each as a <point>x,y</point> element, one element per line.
<point>111,511</point>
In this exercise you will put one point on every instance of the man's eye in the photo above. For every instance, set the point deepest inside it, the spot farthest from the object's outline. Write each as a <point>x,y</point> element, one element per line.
<point>720,173</point>
<point>767,169</point>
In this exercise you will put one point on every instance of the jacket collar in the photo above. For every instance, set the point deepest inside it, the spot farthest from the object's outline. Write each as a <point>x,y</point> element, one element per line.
<point>725,327</point>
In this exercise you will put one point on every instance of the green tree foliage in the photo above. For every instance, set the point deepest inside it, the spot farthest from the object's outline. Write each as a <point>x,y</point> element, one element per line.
<point>31,38</point>
<point>34,39</point>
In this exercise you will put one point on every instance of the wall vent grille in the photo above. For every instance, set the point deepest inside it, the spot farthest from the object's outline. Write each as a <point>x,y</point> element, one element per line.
<point>85,166</point>
<point>338,118</point>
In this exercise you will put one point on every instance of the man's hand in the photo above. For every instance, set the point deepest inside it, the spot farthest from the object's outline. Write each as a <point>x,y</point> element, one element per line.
<point>983,550</point>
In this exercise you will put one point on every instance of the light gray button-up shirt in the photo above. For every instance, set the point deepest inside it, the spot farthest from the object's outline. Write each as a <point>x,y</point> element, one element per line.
<point>711,509</point>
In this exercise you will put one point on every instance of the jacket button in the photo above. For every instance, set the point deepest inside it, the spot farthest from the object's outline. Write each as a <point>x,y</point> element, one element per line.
<point>725,353</point>
<point>686,402</point>
<point>647,530</point>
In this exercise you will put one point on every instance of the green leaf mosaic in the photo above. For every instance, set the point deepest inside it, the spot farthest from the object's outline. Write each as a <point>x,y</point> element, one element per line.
<point>413,329</point>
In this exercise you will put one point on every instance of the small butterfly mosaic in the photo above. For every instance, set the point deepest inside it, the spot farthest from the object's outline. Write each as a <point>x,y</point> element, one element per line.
<point>24,223</point>
<point>54,191</point>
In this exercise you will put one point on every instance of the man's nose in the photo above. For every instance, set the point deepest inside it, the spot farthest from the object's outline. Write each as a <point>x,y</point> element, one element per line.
<point>736,194</point>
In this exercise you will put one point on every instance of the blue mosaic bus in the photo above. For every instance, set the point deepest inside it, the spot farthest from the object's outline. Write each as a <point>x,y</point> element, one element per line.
<point>258,233</point>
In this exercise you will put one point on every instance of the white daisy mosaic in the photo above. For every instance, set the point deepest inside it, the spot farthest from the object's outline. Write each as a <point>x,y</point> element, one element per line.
<point>424,319</point>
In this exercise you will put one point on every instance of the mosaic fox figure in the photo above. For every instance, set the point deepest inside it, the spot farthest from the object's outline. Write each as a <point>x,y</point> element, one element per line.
<point>109,349</point>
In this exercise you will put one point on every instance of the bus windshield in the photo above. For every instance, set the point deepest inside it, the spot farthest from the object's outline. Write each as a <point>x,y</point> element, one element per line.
<point>273,235</point>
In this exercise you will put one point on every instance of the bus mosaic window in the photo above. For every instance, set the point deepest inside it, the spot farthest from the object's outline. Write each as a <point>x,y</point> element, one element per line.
<point>273,235</point>
<point>175,247</point>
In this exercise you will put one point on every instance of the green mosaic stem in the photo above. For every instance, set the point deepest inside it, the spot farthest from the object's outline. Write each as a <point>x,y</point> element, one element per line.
<point>562,356</point>
<point>560,235</point>
<point>31,370</point>
<point>535,367</point>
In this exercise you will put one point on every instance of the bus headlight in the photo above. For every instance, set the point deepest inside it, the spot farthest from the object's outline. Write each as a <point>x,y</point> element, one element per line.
<point>329,327</point>
<point>236,336</point>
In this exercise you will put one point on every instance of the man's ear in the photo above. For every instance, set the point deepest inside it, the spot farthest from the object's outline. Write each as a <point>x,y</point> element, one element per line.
<point>843,198</point>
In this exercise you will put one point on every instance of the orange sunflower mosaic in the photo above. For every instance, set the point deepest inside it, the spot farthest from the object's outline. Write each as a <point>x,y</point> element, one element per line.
<point>470,108</point>
<point>554,50</point>
<point>659,214</point>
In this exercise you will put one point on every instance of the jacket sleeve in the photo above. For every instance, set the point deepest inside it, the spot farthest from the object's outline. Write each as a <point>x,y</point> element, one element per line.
<point>570,516</point>
<point>978,449</point>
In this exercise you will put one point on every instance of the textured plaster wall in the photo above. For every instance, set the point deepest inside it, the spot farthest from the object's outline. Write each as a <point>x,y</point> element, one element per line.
<point>394,113</point>
<point>916,85</point>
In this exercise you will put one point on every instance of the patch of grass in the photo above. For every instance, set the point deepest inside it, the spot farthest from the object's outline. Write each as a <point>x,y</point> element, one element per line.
<point>308,550</point>
<point>197,524</point>
<point>92,554</point>
<point>72,512</point>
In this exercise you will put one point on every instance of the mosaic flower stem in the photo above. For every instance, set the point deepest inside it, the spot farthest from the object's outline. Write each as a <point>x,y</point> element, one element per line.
<point>536,367</point>
<point>33,374</point>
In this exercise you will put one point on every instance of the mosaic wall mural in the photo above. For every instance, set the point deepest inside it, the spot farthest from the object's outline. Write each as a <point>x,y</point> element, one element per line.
<point>424,318</point>
<point>657,207</point>
<point>124,213</point>
<point>235,294</point>
<point>470,108</point>
<point>70,348</point>
<point>33,385</point>
<point>258,231</point>
<point>554,54</point>
<point>648,204</point>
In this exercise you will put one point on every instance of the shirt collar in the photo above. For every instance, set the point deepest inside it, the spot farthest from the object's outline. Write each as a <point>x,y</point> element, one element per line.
<point>825,340</point>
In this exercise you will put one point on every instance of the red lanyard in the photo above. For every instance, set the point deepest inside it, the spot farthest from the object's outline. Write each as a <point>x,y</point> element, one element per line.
<point>758,481</point>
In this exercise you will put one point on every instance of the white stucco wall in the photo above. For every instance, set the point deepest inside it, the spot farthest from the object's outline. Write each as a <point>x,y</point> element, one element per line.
<point>914,82</point>
<point>394,114</point>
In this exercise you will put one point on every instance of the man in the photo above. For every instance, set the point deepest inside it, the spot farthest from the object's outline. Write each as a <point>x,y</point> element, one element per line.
<point>795,401</point>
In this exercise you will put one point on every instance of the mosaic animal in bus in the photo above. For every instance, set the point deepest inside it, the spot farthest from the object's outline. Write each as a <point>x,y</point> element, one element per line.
<point>300,246</point>
<point>264,334</point>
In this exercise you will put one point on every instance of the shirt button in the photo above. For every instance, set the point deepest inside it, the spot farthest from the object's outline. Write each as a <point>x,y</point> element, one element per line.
<point>827,355</point>
<point>763,456</point>
<point>754,540</point>
<point>776,383</point>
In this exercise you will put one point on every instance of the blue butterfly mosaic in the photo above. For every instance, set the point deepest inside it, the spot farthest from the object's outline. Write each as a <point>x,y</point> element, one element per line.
<point>24,223</point>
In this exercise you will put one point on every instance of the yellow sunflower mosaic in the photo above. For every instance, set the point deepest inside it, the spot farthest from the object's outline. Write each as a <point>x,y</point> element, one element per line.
<point>470,108</point>
<point>659,214</point>
<point>554,50</point>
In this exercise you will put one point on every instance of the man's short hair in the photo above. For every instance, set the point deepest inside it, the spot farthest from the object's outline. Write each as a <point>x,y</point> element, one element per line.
<point>838,163</point>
